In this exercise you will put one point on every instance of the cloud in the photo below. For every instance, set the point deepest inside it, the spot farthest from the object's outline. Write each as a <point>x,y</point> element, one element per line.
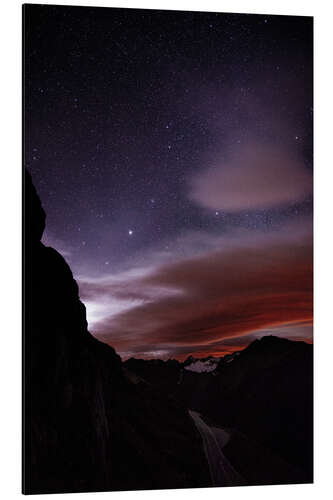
<point>197,304</point>
<point>256,176</point>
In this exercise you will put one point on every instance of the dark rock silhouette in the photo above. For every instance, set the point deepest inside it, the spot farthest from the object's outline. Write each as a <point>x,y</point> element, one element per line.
<point>88,424</point>
<point>263,395</point>
<point>164,374</point>
<point>267,393</point>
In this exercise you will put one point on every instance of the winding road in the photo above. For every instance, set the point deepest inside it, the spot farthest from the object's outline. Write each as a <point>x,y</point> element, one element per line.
<point>221,471</point>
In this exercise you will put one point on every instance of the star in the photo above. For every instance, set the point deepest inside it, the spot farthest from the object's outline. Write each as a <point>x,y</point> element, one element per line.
<point>130,232</point>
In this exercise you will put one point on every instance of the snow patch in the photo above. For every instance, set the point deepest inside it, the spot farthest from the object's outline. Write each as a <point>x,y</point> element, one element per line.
<point>208,365</point>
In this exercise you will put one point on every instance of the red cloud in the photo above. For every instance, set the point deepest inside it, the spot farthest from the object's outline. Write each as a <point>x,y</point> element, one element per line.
<point>198,302</point>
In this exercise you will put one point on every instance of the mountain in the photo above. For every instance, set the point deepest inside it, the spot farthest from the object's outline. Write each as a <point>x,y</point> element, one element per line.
<point>263,395</point>
<point>158,373</point>
<point>267,393</point>
<point>89,423</point>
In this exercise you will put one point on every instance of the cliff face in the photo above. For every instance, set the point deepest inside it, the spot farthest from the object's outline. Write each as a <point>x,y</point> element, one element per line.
<point>87,425</point>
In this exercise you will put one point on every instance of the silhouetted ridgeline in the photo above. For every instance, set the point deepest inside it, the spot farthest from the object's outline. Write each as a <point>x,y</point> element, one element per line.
<point>89,425</point>
<point>263,395</point>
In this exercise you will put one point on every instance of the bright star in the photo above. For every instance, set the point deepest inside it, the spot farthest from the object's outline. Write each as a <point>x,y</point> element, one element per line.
<point>130,232</point>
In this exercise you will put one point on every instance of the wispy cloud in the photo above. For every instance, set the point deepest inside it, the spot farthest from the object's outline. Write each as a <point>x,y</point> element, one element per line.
<point>243,285</point>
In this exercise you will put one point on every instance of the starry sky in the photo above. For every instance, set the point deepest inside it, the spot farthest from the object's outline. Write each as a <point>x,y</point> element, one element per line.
<point>172,152</point>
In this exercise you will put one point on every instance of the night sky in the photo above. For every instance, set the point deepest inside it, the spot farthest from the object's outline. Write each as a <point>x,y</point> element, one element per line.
<point>172,152</point>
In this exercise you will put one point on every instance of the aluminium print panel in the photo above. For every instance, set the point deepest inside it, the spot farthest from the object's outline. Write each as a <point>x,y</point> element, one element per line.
<point>167,249</point>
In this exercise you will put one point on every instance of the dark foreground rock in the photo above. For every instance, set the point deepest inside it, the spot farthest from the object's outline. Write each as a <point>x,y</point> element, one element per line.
<point>88,424</point>
<point>266,392</point>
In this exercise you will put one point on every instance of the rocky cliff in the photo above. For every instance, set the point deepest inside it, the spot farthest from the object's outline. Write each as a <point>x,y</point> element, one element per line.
<point>88,425</point>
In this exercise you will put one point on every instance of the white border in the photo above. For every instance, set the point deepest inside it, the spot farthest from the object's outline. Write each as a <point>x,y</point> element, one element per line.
<point>10,259</point>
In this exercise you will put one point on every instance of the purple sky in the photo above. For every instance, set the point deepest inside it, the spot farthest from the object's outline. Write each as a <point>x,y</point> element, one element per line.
<point>173,155</point>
